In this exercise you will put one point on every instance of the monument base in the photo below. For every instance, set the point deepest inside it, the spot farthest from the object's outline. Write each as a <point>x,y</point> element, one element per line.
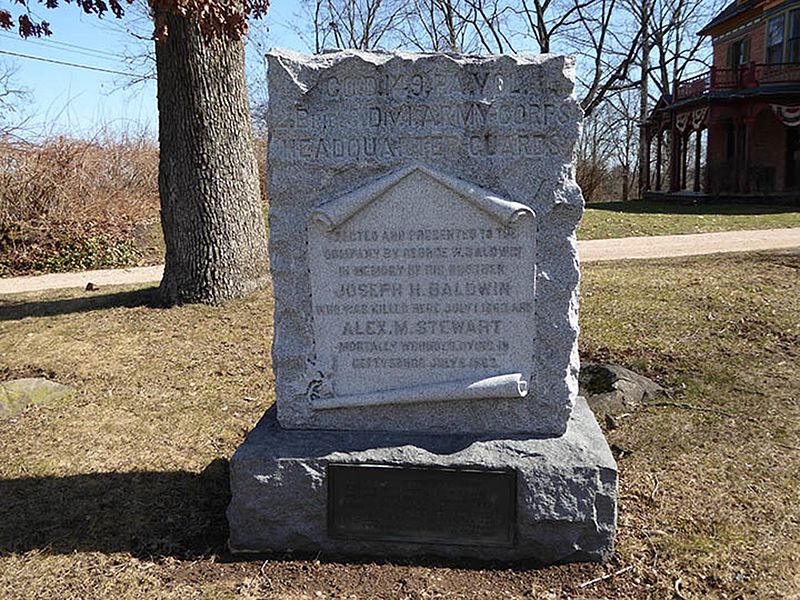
<point>547,500</point>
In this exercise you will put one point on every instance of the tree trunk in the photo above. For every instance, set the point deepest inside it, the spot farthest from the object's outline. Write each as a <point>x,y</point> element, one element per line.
<point>644,99</point>
<point>626,183</point>
<point>211,209</point>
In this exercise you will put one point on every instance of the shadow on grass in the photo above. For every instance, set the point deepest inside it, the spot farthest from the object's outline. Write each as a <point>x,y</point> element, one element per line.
<point>686,208</point>
<point>46,308</point>
<point>153,515</point>
<point>148,514</point>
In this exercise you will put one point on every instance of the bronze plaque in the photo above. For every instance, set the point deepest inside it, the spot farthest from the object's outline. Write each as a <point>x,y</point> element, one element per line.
<point>438,506</point>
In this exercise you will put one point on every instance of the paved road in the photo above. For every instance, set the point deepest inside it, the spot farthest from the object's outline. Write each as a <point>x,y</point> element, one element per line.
<point>689,245</point>
<point>590,251</point>
<point>55,281</point>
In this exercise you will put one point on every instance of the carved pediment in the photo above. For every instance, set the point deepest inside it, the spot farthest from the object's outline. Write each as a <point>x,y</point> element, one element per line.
<point>334,213</point>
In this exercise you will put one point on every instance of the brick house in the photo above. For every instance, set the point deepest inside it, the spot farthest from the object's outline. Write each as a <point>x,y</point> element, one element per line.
<point>747,107</point>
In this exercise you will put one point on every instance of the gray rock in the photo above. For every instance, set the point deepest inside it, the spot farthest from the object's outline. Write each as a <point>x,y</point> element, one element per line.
<point>17,394</point>
<point>612,389</point>
<point>453,162</point>
<point>566,489</point>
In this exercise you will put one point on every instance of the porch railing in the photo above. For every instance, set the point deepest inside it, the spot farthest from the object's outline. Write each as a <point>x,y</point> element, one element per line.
<point>751,75</point>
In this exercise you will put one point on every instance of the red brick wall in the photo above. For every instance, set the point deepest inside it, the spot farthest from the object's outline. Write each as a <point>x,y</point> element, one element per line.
<point>721,54</point>
<point>769,146</point>
<point>720,170</point>
<point>767,155</point>
<point>758,51</point>
<point>758,44</point>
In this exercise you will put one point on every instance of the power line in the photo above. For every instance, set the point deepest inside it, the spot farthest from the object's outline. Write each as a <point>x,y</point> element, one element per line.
<point>93,52</point>
<point>82,53</point>
<point>70,64</point>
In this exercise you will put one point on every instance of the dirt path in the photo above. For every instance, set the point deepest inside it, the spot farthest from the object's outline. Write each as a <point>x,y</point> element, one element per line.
<point>590,251</point>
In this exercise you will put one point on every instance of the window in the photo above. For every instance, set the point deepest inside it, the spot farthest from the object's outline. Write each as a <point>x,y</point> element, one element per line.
<point>775,40</point>
<point>738,53</point>
<point>793,50</point>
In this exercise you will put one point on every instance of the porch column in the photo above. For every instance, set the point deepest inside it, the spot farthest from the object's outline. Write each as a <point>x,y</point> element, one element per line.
<point>684,161</point>
<point>747,140</point>
<point>738,176</point>
<point>658,161</point>
<point>647,158</point>
<point>698,148</point>
<point>707,182</point>
<point>675,159</point>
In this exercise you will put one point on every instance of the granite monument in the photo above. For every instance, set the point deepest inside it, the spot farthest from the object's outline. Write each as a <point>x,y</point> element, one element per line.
<point>422,240</point>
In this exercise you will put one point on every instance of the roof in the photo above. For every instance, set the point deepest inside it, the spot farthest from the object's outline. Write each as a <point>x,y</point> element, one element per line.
<point>788,93</point>
<point>734,9</point>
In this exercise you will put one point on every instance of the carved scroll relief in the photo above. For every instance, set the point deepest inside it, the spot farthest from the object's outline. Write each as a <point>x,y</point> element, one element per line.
<point>422,291</point>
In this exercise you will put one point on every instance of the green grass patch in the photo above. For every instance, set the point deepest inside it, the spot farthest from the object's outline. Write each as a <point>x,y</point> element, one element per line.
<point>646,218</point>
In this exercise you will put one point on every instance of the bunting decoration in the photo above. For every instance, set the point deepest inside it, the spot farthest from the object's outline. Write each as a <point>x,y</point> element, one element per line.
<point>682,121</point>
<point>788,115</point>
<point>699,118</point>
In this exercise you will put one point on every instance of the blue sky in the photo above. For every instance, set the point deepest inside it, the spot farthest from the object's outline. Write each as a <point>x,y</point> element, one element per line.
<point>78,101</point>
<point>81,102</point>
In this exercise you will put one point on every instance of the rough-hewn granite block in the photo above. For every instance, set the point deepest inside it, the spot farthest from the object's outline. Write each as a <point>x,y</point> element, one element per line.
<point>422,239</point>
<point>566,489</point>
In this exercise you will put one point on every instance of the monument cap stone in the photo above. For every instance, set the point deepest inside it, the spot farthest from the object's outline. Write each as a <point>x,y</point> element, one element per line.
<point>422,238</point>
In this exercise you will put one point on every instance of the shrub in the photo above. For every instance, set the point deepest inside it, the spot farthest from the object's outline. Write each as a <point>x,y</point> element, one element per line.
<point>68,204</point>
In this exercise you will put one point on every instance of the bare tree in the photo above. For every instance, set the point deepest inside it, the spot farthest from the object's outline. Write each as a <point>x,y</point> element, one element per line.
<point>512,25</point>
<point>355,24</point>
<point>546,19</point>
<point>440,26</point>
<point>669,51</point>
<point>608,40</point>
<point>602,32</point>
<point>594,157</point>
<point>675,48</point>
<point>623,123</point>
<point>12,96</point>
<point>642,10</point>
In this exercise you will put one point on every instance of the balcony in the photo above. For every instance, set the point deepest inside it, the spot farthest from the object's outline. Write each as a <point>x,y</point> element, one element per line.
<point>749,76</point>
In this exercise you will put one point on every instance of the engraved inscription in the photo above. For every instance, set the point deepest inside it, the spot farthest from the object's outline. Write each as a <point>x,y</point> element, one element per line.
<point>432,114</point>
<point>430,83</point>
<point>421,287</point>
<point>335,149</point>
<point>458,507</point>
<point>416,116</point>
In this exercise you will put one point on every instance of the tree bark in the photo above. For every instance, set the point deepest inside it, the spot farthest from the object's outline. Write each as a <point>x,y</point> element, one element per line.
<point>211,208</point>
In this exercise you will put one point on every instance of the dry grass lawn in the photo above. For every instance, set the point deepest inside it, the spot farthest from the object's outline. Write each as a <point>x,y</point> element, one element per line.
<point>120,492</point>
